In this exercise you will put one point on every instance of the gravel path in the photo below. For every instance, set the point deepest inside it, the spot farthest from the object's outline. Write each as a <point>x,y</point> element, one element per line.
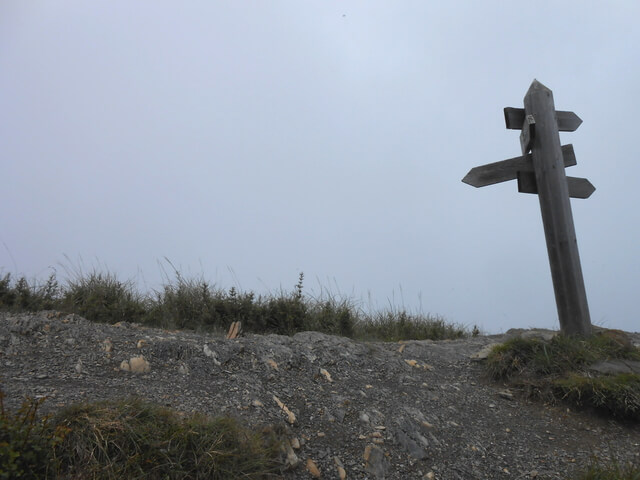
<point>412,410</point>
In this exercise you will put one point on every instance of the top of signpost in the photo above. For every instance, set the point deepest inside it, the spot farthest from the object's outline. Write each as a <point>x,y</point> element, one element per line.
<point>536,85</point>
<point>514,117</point>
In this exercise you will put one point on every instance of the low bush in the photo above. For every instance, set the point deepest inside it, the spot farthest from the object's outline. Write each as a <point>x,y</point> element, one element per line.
<point>102,297</point>
<point>27,442</point>
<point>23,295</point>
<point>559,370</point>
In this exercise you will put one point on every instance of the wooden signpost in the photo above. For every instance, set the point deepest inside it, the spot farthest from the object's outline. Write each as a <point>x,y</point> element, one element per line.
<point>540,170</point>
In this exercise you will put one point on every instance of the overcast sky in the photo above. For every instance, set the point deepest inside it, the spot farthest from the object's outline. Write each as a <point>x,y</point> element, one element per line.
<point>250,141</point>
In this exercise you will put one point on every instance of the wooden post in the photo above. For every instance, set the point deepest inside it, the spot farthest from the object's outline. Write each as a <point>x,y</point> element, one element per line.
<point>553,191</point>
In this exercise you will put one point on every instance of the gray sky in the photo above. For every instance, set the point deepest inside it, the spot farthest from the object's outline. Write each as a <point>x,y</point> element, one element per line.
<point>249,141</point>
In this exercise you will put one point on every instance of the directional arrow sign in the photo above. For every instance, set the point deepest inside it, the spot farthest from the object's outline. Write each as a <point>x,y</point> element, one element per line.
<point>567,121</point>
<point>508,169</point>
<point>578,187</point>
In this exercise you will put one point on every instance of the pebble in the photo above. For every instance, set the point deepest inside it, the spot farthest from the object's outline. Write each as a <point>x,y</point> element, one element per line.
<point>313,468</point>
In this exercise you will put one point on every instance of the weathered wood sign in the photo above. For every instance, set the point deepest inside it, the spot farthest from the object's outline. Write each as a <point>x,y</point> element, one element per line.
<point>540,170</point>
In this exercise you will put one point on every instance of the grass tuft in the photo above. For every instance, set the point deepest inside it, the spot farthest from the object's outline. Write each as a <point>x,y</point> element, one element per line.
<point>135,439</point>
<point>558,370</point>
<point>618,395</point>
<point>27,442</point>
<point>195,304</point>
<point>102,297</point>
<point>131,439</point>
<point>393,326</point>
<point>610,471</point>
<point>23,295</point>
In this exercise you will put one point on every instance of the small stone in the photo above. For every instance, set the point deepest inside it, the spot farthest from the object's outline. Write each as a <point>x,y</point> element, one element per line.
<point>141,343</point>
<point>292,460</point>
<point>506,394</point>
<point>211,354</point>
<point>257,404</point>
<point>430,476</point>
<point>291,418</point>
<point>183,369</point>
<point>272,363</point>
<point>313,468</point>
<point>342,473</point>
<point>327,375</point>
<point>107,345</point>
<point>615,367</point>
<point>139,365</point>
<point>367,452</point>
<point>321,434</point>
<point>295,443</point>
<point>78,366</point>
<point>411,363</point>
<point>484,353</point>
<point>376,463</point>
<point>124,365</point>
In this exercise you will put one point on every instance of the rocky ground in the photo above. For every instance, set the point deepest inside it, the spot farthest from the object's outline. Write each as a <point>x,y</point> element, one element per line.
<point>411,410</point>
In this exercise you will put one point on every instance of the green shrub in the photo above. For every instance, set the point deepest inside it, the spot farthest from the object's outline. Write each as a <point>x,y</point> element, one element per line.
<point>331,316</point>
<point>25,296</point>
<point>186,303</point>
<point>103,298</point>
<point>27,442</point>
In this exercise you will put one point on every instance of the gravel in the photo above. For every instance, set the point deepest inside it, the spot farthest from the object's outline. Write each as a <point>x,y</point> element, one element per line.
<point>364,410</point>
